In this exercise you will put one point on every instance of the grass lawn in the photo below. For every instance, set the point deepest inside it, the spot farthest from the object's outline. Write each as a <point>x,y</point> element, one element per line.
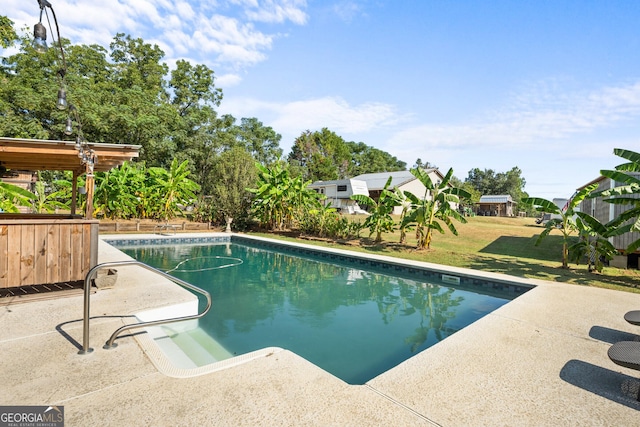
<point>502,245</point>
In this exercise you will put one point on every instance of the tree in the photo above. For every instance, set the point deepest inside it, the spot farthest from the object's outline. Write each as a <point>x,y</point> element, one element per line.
<point>366,159</point>
<point>7,33</point>
<point>320,156</point>
<point>234,173</point>
<point>261,141</point>
<point>489,182</point>
<point>380,221</point>
<point>566,223</point>
<point>424,165</point>
<point>434,206</point>
<point>625,194</point>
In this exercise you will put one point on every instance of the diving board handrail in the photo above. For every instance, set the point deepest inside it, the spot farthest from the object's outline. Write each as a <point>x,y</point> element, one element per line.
<point>110,343</point>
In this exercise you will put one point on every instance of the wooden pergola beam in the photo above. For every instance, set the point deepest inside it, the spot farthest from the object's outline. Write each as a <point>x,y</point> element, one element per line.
<point>38,155</point>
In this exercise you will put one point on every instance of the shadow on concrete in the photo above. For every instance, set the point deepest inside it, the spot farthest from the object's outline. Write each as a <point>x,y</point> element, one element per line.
<point>606,383</point>
<point>611,336</point>
<point>72,340</point>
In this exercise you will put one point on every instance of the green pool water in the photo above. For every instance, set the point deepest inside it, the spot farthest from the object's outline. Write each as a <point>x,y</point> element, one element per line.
<point>352,322</point>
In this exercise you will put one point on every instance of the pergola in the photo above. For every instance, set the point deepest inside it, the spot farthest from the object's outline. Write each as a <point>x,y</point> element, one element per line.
<point>38,154</point>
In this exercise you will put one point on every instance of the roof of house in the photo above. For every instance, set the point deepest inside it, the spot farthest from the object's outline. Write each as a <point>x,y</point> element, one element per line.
<point>376,181</point>
<point>505,198</point>
<point>335,182</point>
<point>600,178</point>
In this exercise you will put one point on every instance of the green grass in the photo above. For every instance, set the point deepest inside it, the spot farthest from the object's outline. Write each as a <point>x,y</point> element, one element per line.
<point>501,245</point>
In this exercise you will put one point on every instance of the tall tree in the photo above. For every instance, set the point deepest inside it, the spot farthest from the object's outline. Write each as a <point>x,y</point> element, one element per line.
<point>320,155</point>
<point>7,33</point>
<point>259,140</point>
<point>234,172</point>
<point>366,159</point>
<point>489,182</point>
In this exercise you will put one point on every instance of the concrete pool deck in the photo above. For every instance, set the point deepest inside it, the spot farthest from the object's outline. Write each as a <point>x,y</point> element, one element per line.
<point>538,360</point>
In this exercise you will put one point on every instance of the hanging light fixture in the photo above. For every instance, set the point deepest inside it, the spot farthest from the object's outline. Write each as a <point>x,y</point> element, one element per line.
<point>40,44</point>
<point>62,99</point>
<point>40,37</point>
<point>86,154</point>
<point>68,130</point>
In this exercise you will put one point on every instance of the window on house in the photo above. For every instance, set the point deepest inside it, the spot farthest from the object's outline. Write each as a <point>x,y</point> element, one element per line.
<point>342,188</point>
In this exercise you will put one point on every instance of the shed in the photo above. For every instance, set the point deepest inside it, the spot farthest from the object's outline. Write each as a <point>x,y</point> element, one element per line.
<point>498,205</point>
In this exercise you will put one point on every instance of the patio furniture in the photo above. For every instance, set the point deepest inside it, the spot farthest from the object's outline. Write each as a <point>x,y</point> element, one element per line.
<point>633,317</point>
<point>627,354</point>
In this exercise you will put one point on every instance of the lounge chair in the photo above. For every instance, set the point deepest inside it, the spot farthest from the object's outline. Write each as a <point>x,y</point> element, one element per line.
<point>627,354</point>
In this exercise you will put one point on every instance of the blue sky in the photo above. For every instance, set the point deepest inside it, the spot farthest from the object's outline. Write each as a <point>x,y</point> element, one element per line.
<point>549,86</point>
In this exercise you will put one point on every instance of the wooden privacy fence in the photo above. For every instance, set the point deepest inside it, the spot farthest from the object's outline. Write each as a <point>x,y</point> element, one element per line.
<point>46,249</point>
<point>151,226</point>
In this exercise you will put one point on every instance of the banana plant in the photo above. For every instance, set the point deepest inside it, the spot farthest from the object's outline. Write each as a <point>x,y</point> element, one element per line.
<point>566,223</point>
<point>434,207</point>
<point>402,200</point>
<point>280,198</point>
<point>593,243</point>
<point>380,220</point>
<point>172,189</point>
<point>46,203</point>
<point>12,196</point>
<point>117,192</point>
<point>626,194</point>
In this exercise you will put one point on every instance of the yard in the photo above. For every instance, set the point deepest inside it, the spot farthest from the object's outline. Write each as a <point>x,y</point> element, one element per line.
<point>502,245</point>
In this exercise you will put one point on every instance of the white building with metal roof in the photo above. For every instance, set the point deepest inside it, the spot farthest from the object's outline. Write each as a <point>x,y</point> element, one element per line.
<point>403,180</point>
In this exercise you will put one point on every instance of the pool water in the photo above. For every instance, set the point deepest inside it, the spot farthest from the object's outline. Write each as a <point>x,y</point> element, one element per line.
<point>351,322</point>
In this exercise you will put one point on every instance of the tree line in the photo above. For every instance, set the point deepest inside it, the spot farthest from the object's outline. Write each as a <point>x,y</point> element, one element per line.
<point>126,94</point>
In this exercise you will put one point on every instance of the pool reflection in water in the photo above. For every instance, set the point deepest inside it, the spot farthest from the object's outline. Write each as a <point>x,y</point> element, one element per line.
<point>351,322</point>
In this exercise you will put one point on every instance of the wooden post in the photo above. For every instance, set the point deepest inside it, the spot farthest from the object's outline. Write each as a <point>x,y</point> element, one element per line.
<point>74,193</point>
<point>89,184</point>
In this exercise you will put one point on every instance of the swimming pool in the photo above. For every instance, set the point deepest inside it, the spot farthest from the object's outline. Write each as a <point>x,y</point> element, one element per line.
<point>353,317</point>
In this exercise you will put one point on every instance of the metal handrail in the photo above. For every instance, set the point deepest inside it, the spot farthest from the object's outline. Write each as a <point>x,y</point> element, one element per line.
<point>110,344</point>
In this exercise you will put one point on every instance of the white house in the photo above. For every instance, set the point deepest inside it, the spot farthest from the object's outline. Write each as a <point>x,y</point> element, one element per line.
<point>403,180</point>
<point>339,193</point>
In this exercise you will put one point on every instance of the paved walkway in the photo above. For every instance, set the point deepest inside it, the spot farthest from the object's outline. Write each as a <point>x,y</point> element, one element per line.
<point>539,360</point>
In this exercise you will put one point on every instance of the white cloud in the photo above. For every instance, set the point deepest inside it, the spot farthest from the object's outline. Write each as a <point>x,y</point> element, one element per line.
<point>290,119</point>
<point>213,33</point>
<point>533,118</point>
<point>228,80</point>
<point>347,10</point>
<point>274,11</point>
